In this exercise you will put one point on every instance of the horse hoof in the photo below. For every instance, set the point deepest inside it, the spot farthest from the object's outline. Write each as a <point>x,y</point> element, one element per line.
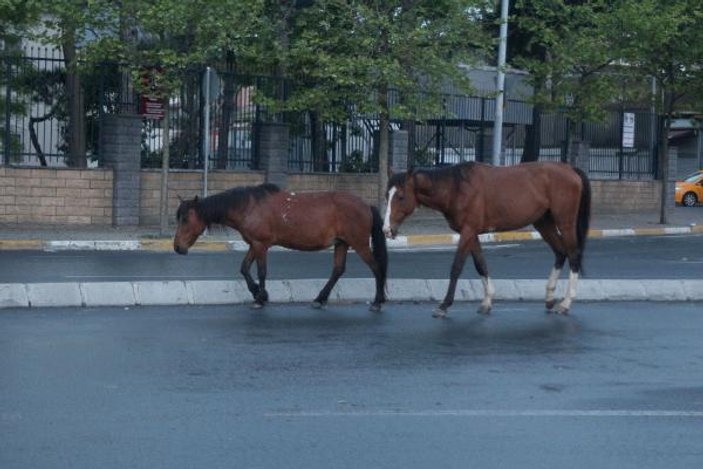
<point>549,305</point>
<point>484,310</point>
<point>257,305</point>
<point>439,313</point>
<point>375,308</point>
<point>317,305</point>
<point>562,310</point>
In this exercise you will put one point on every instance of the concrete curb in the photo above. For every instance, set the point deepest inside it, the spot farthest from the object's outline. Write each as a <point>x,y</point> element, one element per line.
<point>401,242</point>
<point>200,292</point>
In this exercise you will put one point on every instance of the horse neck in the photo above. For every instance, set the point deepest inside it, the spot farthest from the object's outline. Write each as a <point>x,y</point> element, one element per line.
<point>214,211</point>
<point>431,198</point>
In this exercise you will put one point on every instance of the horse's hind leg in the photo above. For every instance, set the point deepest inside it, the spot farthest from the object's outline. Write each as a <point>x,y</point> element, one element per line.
<point>364,251</point>
<point>571,248</point>
<point>340,261</point>
<point>548,230</point>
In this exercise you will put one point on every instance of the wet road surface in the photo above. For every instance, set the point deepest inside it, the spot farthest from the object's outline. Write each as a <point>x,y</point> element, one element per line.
<point>612,386</point>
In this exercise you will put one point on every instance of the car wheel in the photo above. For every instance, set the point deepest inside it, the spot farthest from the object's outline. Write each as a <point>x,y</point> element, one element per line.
<point>689,199</point>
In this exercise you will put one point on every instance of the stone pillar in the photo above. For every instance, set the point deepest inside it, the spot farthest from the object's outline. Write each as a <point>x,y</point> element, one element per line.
<point>272,142</point>
<point>579,155</point>
<point>398,151</point>
<point>120,149</point>
<point>671,177</point>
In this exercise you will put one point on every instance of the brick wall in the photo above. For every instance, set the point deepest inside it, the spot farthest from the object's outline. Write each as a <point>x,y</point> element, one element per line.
<point>72,196</point>
<point>625,196</point>
<point>38,195</point>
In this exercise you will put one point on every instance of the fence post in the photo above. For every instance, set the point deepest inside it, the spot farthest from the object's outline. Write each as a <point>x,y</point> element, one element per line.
<point>120,149</point>
<point>272,141</point>
<point>398,157</point>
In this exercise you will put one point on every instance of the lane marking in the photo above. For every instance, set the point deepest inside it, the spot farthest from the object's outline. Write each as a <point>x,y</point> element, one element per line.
<point>627,413</point>
<point>158,277</point>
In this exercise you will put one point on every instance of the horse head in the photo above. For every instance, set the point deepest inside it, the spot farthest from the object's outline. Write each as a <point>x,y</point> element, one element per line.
<point>402,201</point>
<point>189,225</point>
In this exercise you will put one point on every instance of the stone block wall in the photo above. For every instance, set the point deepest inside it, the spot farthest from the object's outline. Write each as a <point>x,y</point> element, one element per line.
<point>60,196</point>
<point>364,185</point>
<point>625,196</point>
<point>80,196</point>
<point>185,184</point>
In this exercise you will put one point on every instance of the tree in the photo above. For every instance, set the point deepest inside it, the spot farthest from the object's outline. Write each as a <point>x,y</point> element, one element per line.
<point>362,51</point>
<point>661,41</point>
<point>571,52</point>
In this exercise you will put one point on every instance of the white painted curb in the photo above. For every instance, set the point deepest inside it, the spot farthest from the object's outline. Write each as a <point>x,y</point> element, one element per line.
<point>200,292</point>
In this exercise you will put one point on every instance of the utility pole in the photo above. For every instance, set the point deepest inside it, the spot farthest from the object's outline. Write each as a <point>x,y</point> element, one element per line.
<point>500,84</point>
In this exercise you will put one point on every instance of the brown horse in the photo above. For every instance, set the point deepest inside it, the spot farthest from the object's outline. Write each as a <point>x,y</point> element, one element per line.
<point>478,198</point>
<point>266,216</point>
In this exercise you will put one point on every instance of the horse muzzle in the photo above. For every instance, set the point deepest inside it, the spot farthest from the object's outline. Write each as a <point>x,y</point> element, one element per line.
<point>180,250</point>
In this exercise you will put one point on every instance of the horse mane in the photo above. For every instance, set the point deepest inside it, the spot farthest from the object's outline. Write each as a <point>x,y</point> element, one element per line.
<point>455,174</point>
<point>214,208</point>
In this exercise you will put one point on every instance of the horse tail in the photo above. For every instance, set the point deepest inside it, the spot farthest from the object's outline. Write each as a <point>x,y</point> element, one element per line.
<point>378,243</point>
<point>584,215</point>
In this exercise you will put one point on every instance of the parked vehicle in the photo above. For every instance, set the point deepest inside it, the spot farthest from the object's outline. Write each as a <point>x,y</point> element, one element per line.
<point>689,191</point>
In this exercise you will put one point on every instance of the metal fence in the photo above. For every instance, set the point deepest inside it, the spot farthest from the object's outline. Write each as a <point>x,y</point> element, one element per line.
<point>34,107</point>
<point>218,120</point>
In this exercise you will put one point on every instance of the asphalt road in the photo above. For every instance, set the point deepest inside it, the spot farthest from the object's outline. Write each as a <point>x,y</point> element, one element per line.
<point>675,257</point>
<point>613,386</point>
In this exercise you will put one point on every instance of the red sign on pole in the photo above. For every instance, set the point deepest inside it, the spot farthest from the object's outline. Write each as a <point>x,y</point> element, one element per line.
<point>151,104</point>
<point>152,108</point>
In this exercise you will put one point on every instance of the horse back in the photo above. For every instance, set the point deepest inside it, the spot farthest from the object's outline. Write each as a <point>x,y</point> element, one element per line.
<point>510,197</point>
<point>314,220</point>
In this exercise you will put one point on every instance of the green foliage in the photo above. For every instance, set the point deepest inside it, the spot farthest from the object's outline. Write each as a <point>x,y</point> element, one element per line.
<point>346,51</point>
<point>354,163</point>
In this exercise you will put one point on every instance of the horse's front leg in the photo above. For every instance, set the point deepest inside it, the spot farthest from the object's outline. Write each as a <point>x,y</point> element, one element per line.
<point>457,267</point>
<point>488,289</point>
<point>340,261</point>
<point>262,295</point>
<point>245,271</point>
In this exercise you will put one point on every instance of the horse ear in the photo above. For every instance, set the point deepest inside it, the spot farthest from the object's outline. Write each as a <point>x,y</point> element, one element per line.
<point>180,199</point>
<point>195,199</point>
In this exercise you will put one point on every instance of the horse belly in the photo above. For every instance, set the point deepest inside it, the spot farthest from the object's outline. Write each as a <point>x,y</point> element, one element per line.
<point>515,215</point>
<point>306,239</point>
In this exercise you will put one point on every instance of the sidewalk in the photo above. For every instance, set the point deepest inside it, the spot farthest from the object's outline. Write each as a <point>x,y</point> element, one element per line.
<point>424,228</point>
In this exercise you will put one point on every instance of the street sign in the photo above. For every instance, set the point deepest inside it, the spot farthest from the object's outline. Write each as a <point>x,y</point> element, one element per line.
<point>628,130</point>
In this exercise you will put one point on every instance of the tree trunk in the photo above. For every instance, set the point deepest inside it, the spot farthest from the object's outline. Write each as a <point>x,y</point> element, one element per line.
<point>383,143</point>
<point>533,134</point>
<point>664,125</point>
<point>76,117</point>
<point>409,126</point>
<point>166,155</point>
<point>318,142</point>
<point>226,121</point>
